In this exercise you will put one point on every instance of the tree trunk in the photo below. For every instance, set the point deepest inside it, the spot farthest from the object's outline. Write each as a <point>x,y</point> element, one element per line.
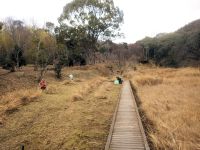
<point>41,73</point>
<point>37,55</point>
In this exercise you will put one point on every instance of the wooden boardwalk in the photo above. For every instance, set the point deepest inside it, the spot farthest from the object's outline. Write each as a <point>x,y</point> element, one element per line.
<point>126,131</point>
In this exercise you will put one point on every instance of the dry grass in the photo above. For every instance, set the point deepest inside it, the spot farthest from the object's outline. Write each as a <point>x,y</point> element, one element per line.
<point>77,98</point>
<point>90,86</point>
<point>86,89</point>
<point>10,102</point>
<point>69,82</point>
<point>93,117</point>
<point>24,79</point>
<point>170,101</point>
<point>52,89</point>
<point>68,115</point>
<point>148,80</point>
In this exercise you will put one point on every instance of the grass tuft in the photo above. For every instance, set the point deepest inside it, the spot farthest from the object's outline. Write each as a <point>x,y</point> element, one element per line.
<point>77,98</point>
<point>69,82</point>
<point>52,89</point>
<point>12,101</point>
<point>148,80</point>
<point>101,97</point>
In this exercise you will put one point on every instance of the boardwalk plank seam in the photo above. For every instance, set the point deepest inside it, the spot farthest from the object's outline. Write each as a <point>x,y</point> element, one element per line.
<point>126,131</point>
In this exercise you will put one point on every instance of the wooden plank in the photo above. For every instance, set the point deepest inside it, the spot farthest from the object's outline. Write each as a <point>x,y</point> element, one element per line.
<point>126,129</point>
<point>107,146</point>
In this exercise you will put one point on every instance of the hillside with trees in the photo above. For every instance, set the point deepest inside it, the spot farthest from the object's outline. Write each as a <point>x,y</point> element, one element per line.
<point>77,40</point>
<point>66,86</point>
<point>180,48</point>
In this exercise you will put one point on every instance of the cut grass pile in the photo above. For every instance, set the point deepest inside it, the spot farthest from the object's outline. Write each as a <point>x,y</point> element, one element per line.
<point>11,102</point>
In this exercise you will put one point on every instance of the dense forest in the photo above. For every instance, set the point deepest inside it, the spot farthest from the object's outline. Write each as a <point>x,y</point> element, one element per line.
<point>180,48</point>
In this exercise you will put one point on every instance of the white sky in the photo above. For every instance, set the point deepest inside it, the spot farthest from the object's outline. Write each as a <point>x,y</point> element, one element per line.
<point>141,17</point>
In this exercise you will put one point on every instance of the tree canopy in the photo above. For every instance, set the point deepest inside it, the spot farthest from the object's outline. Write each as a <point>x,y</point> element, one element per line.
<point>84,23</point>
<point>99,18</point>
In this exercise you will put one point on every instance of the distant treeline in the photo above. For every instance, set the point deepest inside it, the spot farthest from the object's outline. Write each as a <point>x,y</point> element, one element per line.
<point>89,43</point>
<point>78,40</point>
<point>181,48</point>
<point>21,44</point>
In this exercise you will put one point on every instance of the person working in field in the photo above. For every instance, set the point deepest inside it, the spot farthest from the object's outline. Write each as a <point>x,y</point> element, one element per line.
<point>42,84</point>
<point>119,80</point>
<point>71,77</point>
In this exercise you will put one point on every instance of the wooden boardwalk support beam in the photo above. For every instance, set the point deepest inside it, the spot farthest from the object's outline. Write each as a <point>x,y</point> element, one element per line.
<point>126,132</point>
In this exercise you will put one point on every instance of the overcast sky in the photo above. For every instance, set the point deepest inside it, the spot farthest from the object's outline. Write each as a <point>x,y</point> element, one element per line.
<point>141,17</point>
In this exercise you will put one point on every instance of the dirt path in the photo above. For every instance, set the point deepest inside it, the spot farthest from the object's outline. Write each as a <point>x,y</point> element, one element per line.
<point>55,121</point>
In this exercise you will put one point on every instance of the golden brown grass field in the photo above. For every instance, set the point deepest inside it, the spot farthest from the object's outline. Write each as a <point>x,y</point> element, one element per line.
<point>76,115</point>
<point>70,115</point>
<point>169,102</point>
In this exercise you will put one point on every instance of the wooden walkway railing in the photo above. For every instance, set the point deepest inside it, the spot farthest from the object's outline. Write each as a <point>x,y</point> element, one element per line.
<point>126,132</point>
